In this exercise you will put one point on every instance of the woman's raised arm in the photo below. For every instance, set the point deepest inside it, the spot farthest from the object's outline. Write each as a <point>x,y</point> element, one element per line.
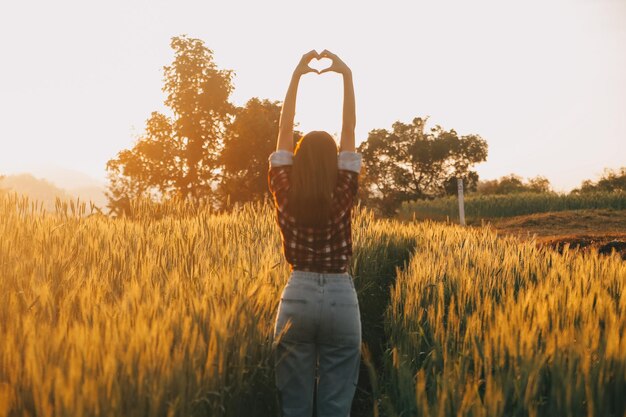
<point>288,112</point>
<point>349,111</point>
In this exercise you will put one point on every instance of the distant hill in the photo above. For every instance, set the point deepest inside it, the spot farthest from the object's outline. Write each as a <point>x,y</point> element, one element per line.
<point>43,190</point>
<point>34,188</point>
<point>92,193</point>
<point>68,179</point>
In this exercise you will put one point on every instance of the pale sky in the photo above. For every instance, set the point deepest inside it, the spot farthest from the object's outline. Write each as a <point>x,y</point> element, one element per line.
<point>544,82</point>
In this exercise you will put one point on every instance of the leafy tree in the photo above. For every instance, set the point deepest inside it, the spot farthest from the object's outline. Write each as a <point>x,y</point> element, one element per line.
<point>539,184</point>
<point>514,184</point>
<point>198,95</point>
<point>248,142</point>
<point>408,163</point>
<point>149,170</point>
<point>178,156</point>
<point>611,181</point>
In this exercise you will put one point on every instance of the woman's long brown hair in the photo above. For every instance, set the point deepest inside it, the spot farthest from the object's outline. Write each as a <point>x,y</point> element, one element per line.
<point>313,179</point>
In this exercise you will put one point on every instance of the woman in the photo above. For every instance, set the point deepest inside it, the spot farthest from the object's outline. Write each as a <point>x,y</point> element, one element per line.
<point>318,326</point>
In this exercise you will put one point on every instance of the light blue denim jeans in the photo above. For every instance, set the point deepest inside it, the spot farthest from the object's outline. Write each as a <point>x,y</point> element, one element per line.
<point>318,329</point>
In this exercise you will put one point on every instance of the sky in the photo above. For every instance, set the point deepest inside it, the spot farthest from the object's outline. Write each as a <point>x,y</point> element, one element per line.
<point>543,82</point>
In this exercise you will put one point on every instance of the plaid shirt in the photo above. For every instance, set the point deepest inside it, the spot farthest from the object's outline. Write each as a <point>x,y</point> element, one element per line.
<point>323,249</point>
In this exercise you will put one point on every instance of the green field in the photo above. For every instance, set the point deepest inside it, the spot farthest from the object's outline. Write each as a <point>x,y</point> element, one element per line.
<point>171,314</point>
<point>508,205</point>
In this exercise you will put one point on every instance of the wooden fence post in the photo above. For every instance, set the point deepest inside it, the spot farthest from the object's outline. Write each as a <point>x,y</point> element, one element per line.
<point>459,182</point>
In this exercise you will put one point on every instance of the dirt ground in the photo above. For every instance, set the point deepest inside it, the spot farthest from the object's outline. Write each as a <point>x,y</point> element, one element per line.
<point>601,230</point>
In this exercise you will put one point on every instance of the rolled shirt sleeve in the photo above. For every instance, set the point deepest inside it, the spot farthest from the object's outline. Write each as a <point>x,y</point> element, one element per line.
<point>350,161</point>
<point>280,157</point>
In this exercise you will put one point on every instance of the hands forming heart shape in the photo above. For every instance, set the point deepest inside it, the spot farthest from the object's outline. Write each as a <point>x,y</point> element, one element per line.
<point>337,65</point>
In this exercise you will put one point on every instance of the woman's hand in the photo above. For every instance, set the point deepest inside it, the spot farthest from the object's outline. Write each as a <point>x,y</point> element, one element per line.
<point>303,65</point>
<point>337,66</point>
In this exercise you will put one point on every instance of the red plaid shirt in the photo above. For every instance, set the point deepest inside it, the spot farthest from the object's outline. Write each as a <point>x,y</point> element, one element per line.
<point>323,249</point>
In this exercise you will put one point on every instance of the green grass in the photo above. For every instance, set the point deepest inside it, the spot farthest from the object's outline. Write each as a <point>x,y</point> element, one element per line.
<point>509,205</point>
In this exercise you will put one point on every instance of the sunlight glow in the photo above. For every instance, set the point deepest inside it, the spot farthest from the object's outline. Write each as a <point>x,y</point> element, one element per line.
<point>543,82</point>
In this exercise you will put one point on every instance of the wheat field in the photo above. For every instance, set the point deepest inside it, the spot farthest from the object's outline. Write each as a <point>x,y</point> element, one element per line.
<point>171,313</point>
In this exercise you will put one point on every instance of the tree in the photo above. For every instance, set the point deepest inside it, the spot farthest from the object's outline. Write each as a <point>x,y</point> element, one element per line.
<point>514,184</point>
<point>408,163</point>
<point>248,142</point>
<point>539,184</point>
<point>177,156</point>
<point>149,170</point>
<point>610,181</point>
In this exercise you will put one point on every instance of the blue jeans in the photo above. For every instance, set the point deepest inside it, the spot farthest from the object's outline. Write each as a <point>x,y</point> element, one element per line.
<point>318,328</point>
